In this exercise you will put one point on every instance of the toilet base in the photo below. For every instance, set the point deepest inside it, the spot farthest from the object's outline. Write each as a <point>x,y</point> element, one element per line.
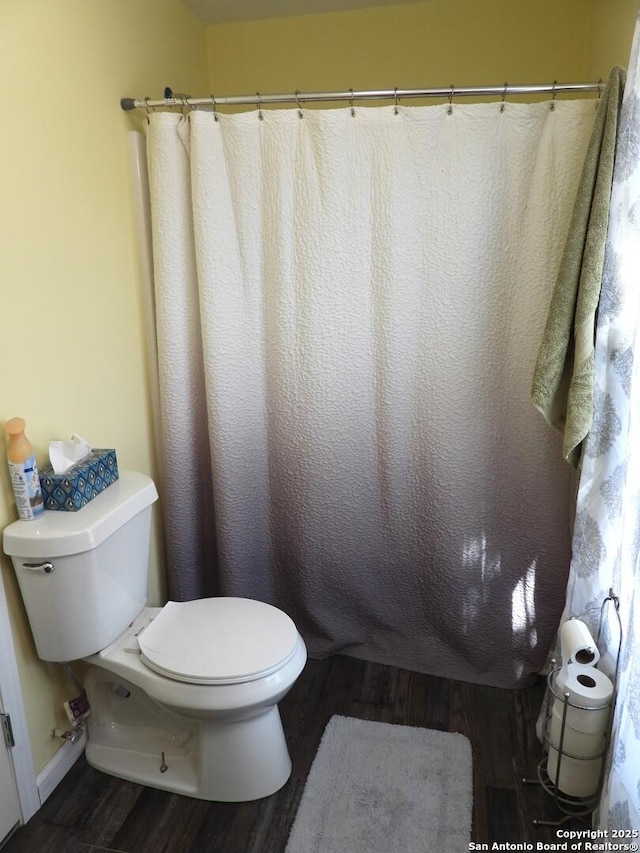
<point>132,737</point>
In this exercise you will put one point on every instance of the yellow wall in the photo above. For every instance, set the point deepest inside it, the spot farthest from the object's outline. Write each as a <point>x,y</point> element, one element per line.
<point>612,34</point>
<point>72,350</point>
<point>434,43</point>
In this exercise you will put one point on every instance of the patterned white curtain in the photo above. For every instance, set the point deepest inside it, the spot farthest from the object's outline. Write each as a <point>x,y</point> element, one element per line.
<point>348,310</point>
<point>606,545</point>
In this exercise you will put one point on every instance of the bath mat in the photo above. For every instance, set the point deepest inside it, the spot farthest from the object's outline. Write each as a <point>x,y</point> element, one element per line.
<point>382,788</point>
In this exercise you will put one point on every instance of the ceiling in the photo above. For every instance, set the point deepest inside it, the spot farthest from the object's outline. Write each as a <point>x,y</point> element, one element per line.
<point>226,11</point>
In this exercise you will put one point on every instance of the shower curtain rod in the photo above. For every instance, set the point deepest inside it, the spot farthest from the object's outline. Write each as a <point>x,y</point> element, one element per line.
<point>448,92</point>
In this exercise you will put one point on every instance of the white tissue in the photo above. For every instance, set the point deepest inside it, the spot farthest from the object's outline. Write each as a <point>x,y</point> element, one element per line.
<point>577,645</point>
<point>589,694</point>
<point>591,691</point>
<point>577,778</point>
<point>575,743</point>
<point>64,454</point>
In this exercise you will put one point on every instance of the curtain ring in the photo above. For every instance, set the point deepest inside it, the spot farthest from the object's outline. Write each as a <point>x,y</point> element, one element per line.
<point>395,98</point>
<point>553,95</point>
<point>184,106</point>
<point>300,113</point>
<point>353,112</point>
<point>504,95</point>
<point>450,107</point>
<point>599,88</point>
<point>260,116</point>
<point>215,108</point>
<point>146,105</point>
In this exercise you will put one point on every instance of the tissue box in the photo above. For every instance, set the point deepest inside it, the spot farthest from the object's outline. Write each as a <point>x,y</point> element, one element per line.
<point>81,483</point>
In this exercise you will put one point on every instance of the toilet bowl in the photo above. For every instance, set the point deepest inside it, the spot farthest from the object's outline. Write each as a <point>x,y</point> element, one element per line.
<point>183,697</point>
<point>216,732</point>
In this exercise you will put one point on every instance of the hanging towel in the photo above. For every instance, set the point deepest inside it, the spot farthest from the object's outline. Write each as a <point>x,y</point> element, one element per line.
<point>562,386</point>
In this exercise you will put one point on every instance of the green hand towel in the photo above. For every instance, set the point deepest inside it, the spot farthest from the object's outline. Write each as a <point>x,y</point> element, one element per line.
<point>563,379</point>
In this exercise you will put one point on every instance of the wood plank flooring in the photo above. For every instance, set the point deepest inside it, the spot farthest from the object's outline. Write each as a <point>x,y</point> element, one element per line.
<point>91,812</point>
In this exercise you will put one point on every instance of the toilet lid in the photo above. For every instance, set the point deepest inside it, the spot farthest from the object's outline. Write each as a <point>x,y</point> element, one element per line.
<point>218,640</point>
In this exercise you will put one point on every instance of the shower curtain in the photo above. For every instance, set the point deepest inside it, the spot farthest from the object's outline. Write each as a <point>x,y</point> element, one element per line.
<point>349,304</point>
<point>606,543</point>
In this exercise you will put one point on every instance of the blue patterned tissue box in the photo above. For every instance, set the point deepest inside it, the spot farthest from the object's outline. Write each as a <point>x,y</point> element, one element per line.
<point>81,483</point>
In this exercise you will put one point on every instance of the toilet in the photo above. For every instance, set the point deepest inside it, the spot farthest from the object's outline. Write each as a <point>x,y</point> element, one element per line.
<point>183,697</point>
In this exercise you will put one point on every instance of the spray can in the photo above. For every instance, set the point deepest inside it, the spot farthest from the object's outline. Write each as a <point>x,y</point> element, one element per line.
<point>23,471</point>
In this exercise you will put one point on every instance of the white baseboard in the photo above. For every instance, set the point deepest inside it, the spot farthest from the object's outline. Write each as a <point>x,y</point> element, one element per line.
<point>58,766</point>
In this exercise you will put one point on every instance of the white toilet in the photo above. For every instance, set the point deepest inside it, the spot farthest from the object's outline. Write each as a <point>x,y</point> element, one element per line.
<point>183,697</point>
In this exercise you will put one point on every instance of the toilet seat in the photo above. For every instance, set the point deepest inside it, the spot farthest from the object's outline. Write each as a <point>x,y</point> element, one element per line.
<point>218,641</point>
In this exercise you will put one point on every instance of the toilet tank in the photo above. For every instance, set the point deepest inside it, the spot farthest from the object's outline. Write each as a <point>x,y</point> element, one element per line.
<point>83,575</point>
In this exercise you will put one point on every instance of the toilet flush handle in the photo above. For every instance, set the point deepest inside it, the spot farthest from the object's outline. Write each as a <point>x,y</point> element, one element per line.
<point>46,567</point>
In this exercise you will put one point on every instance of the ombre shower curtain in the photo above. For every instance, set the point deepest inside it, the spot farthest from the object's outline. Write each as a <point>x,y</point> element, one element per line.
<point>349,305</point>
<point>606,543</point>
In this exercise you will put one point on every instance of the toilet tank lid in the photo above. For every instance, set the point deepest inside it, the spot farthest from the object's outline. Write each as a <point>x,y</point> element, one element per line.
<point>59,534</point>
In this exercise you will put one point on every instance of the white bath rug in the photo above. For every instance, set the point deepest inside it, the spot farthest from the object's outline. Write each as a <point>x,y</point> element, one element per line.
<point>381,788</point>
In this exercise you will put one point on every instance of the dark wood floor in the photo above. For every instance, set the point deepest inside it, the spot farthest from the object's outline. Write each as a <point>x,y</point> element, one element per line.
<point>91,812</point>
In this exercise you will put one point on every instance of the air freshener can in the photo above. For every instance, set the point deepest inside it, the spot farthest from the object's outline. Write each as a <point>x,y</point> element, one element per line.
<point>26,488</point>
<point>23,471</point>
